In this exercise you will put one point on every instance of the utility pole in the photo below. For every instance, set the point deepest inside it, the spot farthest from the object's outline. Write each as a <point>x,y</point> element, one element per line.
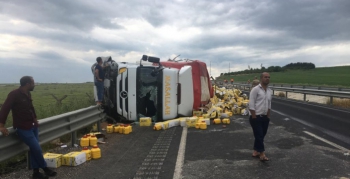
<point>229,68</point>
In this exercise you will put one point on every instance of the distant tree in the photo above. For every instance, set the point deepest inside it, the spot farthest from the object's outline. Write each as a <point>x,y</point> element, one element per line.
<point>299,66</point>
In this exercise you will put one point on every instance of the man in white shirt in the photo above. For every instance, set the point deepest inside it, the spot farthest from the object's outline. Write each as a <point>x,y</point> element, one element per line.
<point>260,108</point>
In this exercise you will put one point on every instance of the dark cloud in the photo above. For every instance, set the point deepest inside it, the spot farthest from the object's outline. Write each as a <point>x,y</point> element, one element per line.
<point>46,71</point>
<point>64,14</point>
<point>239,32</point>
<point>309,19</point>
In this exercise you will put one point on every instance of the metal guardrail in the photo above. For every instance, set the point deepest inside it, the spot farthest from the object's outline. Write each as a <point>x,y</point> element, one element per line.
<point>51,128</point>
<point>306,90</point>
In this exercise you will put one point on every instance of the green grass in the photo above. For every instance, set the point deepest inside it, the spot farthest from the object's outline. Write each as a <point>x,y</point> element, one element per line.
<point>79,95</point>
<point>326,76</point>
<point>44,103</point>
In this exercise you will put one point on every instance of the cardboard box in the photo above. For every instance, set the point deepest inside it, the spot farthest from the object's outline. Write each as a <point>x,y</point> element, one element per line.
<point>165,125</point>
<point>197,113</point>
<point>145,121</point>
<point>183,121</point>
<point>191,122</point>
<point>174,123</point>
<point>73,158</point>
<point>53,160</point>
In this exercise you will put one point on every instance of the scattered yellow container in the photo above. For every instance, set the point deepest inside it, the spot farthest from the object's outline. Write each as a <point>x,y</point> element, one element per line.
<point>197,113</point>
<point>53,160</point>
<point>109,128</point>
<point>87,151</point>
<point>116,129</point>
<point>206,120</point>
<point>145,121</point>
<point>126,129</point>
<point>203,125</point>
<point>217,121</point>
<point>121,129</point>
<point>130,128</point>
<point>157,127</point>
<point>73,158</point>
<point>84,141</point>
<point>229,113</point>
<point>226,121</point>
<point>93,140</point>
<point>238,110</point>
<point>183,121</point>
<point>191,122</point>
<point>197,125</point>
<point>95,152</point>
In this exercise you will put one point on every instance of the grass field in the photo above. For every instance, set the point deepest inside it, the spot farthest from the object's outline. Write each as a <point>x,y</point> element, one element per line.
<point>327,76</point>
<point>78,96</point>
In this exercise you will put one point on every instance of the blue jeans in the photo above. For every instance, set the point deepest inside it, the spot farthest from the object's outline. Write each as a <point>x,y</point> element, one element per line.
<point>100,89</point>
<point>259,126</point>
<point>31,138</point>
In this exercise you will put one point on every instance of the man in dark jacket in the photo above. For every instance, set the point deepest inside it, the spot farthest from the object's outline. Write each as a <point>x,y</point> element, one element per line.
<point>19,101</point>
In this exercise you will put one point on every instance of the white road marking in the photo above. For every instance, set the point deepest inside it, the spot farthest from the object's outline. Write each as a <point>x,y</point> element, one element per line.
<point>326,141</point>
<point>340,137</point>
<point>180,155</point>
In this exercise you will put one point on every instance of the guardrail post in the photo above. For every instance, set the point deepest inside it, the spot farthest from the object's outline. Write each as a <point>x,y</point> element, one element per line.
<point>304,97</point>
<point>99,126</point>
<point>331,100</point>
<point>74,138</point>
<point>286,94</point>
<point>28,160</point>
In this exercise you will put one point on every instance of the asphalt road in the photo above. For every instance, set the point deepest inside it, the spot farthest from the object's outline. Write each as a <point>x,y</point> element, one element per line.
<point>303,141</point>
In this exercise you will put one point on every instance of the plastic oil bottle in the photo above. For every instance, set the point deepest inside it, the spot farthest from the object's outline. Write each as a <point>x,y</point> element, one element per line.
<point>197,125</point>
<point>109,128</point>
<point>93,140</point>
<point>126,129</point>
<point>84,141</point>
<point>130,128</point>
<point>88,153</point>
<point>217,121</point>
<point>116,129</point>
<point>95,152</point>
<point>203,125</point>
<point>121,129</point>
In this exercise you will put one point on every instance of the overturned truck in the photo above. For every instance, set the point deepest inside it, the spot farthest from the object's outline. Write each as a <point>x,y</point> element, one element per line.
<point>148,89</point>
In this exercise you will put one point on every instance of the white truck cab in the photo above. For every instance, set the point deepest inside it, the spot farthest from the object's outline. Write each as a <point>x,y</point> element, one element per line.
<point>147,89</point>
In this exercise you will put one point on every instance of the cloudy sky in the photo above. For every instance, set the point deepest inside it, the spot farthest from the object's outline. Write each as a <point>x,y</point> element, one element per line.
<point>58,41</point>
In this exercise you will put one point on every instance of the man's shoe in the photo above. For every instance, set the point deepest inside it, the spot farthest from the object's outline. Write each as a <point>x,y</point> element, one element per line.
<point>38,175</point>
<point>50,172</point>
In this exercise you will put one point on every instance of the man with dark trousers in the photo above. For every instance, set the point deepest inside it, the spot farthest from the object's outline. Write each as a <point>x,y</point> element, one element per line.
<point>19,101</point>
<point>99,77</point>
<point>260,109</point>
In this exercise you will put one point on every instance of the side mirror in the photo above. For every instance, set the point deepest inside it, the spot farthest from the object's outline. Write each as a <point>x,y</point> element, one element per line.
<point>154,59</point>
<point>150,59</point>
<point>144,57</point>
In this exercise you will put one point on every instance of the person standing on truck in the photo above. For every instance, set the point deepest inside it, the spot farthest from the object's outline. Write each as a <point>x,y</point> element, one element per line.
<point>99,77</point>
<point>19,101</point>
<point>260,109</point>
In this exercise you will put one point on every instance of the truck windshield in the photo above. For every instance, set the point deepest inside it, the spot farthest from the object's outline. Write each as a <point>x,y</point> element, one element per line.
<point>147,93</point>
